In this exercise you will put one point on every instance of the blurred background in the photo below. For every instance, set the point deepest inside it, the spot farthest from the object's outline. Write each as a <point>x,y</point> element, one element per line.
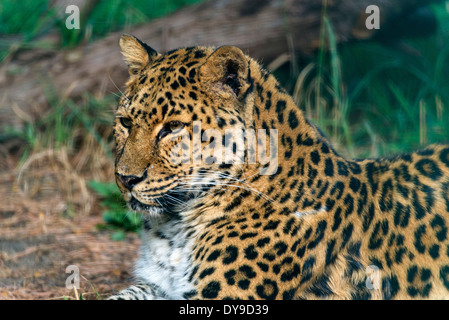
<point>373,92</point>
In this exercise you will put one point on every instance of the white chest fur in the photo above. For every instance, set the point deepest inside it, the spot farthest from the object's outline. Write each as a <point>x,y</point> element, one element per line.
<point>165,258</point>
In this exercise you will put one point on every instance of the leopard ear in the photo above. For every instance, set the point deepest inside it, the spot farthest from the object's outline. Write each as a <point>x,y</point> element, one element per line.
<point>226,69</point>
<point>136,53</point>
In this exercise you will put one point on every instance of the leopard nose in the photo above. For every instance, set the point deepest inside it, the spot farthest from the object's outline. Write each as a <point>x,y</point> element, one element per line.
<point>130,181</point>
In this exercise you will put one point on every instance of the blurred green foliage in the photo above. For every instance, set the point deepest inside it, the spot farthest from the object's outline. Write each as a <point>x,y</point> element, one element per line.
<point>23,22</point>
<point>116,215</point>
<point>375,98</point>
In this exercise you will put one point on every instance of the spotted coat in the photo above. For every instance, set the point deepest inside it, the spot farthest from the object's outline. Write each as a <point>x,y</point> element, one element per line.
<point>319,227</point>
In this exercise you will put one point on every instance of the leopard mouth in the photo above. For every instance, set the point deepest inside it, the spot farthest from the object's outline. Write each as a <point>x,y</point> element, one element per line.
<point>151,207</point>
<point>168,203</point>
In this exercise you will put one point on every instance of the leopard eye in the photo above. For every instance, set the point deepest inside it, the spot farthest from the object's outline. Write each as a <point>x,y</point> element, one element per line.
<point>175,126</point>
<point>126,122</point>
<point>170,127</point>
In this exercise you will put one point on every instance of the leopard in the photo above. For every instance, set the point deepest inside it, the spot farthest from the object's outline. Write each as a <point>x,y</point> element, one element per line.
<point>316,226</point>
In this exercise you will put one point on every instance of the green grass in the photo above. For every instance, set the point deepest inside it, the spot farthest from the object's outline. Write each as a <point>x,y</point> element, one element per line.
<point>116,216</point>
<point>23,22</point>
<point>373,99</point>
<point>24,18</point>
<point>69,125</point>
<point>117,15</point>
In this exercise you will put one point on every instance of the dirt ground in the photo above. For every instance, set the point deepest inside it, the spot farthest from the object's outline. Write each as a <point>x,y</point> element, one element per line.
<point>47,225</point>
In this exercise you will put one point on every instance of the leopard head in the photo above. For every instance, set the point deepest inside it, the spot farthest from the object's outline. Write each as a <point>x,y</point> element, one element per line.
<point>172,122</point>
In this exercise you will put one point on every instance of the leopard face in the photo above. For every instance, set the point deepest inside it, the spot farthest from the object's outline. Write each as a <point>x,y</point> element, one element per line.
<point>317,226</point>
<point>171,100</point>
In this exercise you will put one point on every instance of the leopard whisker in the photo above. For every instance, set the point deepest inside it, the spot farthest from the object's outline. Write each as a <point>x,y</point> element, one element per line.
<point>173,199</point>
<point>226,176</point>
<point>231,185</point>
